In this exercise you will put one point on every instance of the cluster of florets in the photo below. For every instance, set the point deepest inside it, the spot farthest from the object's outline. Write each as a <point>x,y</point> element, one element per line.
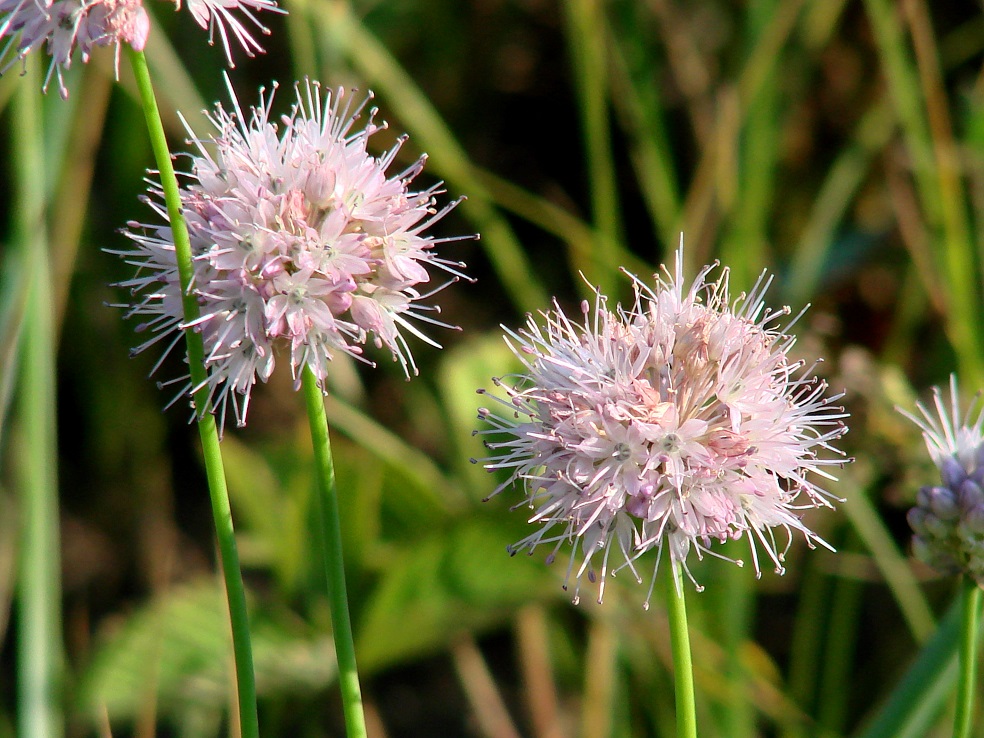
<point>70,27</point>
<point>948,520</point>
<point>674,424</point>
<point>302,245</point>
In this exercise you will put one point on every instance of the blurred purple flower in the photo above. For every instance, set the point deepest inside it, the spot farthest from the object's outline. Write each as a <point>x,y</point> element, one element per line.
<point>948,520</point>
<point>676,423</point>
<point>302,244</point>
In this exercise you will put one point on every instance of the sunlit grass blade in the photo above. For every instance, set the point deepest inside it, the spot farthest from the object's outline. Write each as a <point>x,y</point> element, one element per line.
<point>413,464</point>
<point>839,654</point>
<point>553,219</point>
<point>479,685</point>
<point>737,597</point>
<point>71,199</point>
<point>832,203</point>
<point>746,244</point>
<point>14,294</point>
<point>541,692</point>
<point>587,45</point>
<point>915,703</point>
<point>892,565</point>
<point>636,101</point>
<point>40,659</point>
<point>807,643</point>
<point>929,142</point>
<point>598,711</point>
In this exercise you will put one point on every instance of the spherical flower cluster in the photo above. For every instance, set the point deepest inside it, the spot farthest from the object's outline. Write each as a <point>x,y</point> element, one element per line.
<point>70,26</point>
<point>948,520</point>
<point>673,424</point>
<point>302,245</point>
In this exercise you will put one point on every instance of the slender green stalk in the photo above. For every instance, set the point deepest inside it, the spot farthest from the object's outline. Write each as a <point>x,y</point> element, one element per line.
<point>327,504</point>
<point>39,649</point>
<point>970,610</point>
<point>917,698</point>
<point>214,470</point>
<point>683,672</point>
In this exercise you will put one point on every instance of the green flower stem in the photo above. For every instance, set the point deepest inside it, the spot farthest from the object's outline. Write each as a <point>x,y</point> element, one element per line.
<point>970,607</point>
<point>214,470</point>
<point>683,674</point>
<point>39,649</point>
<point>327,505</point>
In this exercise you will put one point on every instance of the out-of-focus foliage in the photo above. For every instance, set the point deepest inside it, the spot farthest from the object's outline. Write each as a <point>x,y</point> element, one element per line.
<point>838,144</point>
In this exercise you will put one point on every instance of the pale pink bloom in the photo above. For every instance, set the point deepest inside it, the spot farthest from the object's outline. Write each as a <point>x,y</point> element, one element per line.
<point>70,27</point>
<point>67,26</point>
<point>672,424</point>
<point>303,246</point>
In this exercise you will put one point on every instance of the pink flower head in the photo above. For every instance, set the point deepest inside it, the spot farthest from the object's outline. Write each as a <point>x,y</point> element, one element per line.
<point>67,26</point>
<point>673,424</point>
<point>303,245</point>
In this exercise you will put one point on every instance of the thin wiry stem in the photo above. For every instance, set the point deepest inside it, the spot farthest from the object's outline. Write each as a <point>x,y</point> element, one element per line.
<point>327,505</point>
<point>214,469</point>
<point>683,675</point>
<point>970,607</point>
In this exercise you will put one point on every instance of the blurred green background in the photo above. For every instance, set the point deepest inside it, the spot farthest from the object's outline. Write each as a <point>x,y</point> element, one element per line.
<point>838,144</point>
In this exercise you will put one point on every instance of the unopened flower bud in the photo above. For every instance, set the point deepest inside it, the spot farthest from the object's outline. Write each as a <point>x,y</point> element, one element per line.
<point>979,459</point>
<point>952,472</point>
<point>949,520</point>
<point>923,550</point>
<point>971,495</point>
<point>917,520</point>
<point>972,522</point>
<point>978,475</point>
<point>935,527</point>
<point>943,503</point>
